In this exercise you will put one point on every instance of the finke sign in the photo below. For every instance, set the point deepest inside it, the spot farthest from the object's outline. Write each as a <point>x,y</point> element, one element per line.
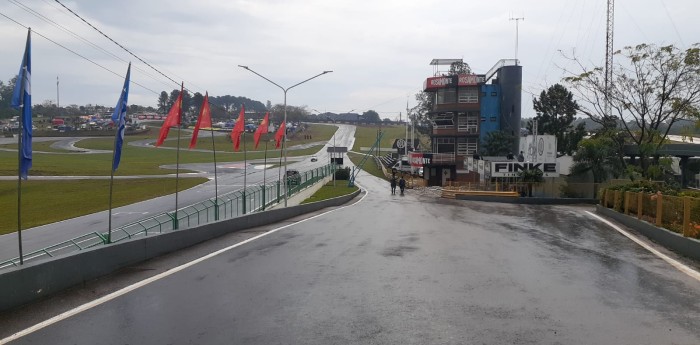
<point>513,169</point>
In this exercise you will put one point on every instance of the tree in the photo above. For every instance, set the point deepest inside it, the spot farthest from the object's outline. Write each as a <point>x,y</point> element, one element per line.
<point>294,114</point>
<point>197,101</point>
<point>370,116</point>
<point>556,110</point>
<point>597,155</point>
<point>6,110</point>
<point>651,89</point>
<point>497,143</point>
<point>163,102</point>
<point>459,67</point>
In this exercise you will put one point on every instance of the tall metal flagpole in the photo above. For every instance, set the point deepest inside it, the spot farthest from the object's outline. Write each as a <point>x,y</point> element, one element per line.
<point>267,139</point>
<point>176,224</point>
<point>216,183</point>
<point>121,120</point>
<point>245,171</point>
<point>20,133</point>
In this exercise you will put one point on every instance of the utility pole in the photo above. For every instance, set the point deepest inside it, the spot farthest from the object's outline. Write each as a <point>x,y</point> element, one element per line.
<point>517,21</point>
<point>609,55</point>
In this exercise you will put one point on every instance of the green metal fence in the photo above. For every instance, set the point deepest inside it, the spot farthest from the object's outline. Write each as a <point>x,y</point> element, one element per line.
<point>254,198</point>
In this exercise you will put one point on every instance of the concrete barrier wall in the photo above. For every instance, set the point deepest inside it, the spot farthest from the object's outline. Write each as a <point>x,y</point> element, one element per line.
<point>37,280</point>
<point>685,246</point>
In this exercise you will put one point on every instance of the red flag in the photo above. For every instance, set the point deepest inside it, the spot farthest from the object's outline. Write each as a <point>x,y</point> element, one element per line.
<point>204,120</point>
<point>262,129</point>
<point>280,135</point>
<point>173,119</point>
<point>238,128</point>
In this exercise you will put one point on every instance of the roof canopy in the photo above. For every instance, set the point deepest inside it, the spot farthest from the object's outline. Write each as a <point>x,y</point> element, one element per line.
<point>444,62</point>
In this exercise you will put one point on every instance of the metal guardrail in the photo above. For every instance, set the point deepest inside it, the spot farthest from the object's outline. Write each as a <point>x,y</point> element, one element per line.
<point>230,205</point>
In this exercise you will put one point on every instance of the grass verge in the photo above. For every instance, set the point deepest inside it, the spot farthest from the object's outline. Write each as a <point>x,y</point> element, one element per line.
<point>328,191</point>
<point>45,202</point>
<point>370,165</point>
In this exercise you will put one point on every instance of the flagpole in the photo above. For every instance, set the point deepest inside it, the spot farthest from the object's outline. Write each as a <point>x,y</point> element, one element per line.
<point>216,183</point>
<point>177,156</point>
<point>111,183</point>
<point>24,69</point>
<point>19,176</point>
<point>245,171</point>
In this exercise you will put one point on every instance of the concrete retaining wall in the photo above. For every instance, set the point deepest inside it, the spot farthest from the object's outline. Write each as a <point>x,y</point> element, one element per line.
<point>685,246</point>
<point>32,281</point>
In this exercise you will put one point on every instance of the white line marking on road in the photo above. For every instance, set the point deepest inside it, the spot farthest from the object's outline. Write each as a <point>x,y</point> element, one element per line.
<point>147,281</point>
<point>678,265</point>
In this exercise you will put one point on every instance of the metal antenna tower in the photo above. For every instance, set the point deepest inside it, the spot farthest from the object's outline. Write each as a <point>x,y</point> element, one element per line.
<point>517,21</point>
<point>609,55</point>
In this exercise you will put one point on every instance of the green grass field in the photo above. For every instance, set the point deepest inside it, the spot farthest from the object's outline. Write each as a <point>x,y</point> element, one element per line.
<point>366,135</point>
<point>46,202</point>
<point>147,160</point>
<point>370,165</point>
<point>329,191</point>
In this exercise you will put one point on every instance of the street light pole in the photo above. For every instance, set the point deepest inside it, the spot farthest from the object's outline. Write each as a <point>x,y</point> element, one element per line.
<point>284,140</point>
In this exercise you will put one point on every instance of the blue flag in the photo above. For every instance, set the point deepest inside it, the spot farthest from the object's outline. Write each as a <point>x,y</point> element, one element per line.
<point>22,100</point>
<point>119,120</point>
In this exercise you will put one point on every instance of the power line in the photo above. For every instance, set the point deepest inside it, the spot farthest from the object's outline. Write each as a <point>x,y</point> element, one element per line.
<point>76,53</point>
<point>54,23</point>
<point>117,43</point>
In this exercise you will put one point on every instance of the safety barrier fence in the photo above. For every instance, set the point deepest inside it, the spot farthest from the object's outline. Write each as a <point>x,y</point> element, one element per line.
<point>254,198</point>
<point>678,214</point>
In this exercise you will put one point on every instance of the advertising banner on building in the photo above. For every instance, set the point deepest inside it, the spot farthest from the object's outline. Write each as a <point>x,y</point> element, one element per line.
<point>513,169</point>
<point>418,159</point>
<point>469,163</point>
<point>470,79</point>
<point>539,148</point>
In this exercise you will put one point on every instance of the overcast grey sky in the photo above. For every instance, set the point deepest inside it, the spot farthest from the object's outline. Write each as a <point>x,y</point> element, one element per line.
<point>379,50</point>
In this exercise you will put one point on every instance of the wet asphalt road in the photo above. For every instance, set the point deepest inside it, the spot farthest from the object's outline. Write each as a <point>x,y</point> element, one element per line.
<point>410,270</point>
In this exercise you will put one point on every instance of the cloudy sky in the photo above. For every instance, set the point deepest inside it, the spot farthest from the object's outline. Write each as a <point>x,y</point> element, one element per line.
<point>379,50</point>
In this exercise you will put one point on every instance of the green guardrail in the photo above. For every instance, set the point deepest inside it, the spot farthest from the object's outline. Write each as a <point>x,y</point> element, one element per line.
<point>230,205</point>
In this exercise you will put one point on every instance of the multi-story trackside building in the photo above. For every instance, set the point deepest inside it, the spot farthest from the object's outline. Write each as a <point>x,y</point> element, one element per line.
<point>466,108</point>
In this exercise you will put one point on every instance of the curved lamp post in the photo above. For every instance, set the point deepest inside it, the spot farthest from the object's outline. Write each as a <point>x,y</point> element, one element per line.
<point>284,140</point>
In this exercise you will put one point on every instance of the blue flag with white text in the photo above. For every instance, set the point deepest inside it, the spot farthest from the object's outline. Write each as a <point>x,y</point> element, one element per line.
<point>119,120</point>
<point>22,100</point>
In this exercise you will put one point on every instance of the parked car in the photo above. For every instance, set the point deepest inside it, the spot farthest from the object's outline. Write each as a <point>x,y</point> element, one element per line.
<point>293,177</point>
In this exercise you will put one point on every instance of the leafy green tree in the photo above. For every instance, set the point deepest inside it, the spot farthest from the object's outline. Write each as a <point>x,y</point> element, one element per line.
<point>197,100</point>
<point>6,110</point>
<point>597,155</point>
<point>163,102</point>
<point>556,110</point>
<point>652,88</point>
<point>531,177</point>
<point>457,68</point>
<point>371,116</point>
<point>497,143</point>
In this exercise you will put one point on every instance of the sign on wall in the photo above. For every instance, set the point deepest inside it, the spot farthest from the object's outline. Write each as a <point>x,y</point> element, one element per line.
<point>513,169</point>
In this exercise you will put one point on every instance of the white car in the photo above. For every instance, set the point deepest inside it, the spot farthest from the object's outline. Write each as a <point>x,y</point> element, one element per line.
<point>313,158</point>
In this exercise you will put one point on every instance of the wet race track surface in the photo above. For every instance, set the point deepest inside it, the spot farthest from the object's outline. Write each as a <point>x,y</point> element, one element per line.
<point>406,270</point>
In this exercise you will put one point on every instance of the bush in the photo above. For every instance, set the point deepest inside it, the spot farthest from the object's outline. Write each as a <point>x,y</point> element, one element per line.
<point>649,187</point>
<point>342,174</point>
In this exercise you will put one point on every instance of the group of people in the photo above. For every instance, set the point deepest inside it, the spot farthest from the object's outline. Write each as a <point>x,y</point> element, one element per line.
<point>401,183</point>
